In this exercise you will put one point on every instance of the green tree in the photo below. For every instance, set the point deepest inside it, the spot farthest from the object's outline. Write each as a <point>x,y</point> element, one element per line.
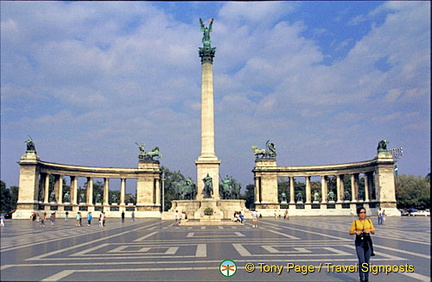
<point>5,198</point>
<point>170,193</point>
<point>249,196</point>
<point>412,191</point>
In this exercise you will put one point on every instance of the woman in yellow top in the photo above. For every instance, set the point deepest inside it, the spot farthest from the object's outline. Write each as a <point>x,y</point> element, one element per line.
<point>362,228</point>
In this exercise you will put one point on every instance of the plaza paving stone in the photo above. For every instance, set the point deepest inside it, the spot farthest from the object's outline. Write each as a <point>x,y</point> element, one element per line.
<point>154,250</point>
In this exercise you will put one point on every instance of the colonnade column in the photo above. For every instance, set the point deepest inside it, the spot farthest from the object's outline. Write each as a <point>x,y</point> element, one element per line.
<point>339,187</point>
<point>292,190</point>
<point>122,191</point>
<point>46,191</point>
<point>308,190</point>
<point>74,189</point>
<point>256,190</point>
<point>106,191</point>
<point>324,189</point>
<point>354,186</point>
<point>157,193</point>
<point>60,190</point>
<point>89,190</point>
<point>366,181</point>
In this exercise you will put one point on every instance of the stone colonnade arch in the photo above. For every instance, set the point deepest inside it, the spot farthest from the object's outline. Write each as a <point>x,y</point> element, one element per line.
<point>35,194</point>
<point>379,185</point>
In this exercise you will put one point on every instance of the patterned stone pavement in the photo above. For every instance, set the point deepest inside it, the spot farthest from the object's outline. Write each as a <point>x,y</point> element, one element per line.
<point>300,249</point>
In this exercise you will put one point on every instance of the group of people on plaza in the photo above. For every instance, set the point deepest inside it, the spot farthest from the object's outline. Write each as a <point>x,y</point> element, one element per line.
<point>179,218</point>
<point>78,217</point>
<point>239,216</point>
<point>381,216</point>
<point>41,218</point>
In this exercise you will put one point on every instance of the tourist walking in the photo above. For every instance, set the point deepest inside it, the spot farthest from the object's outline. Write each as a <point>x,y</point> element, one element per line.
<point>89,218</point>
<point>254,218</point>
<point>100,220</point>
<point>2,220</point>
<point>362,228</point>
<point>78,219</point>
<point>133,216</point>
<point>380,216</point>
<point>176,217</point>
<point>286,214</point>
<point>66,216</point>
<point>52,218</point>
<point>123,216</point>
<point>42,219</point>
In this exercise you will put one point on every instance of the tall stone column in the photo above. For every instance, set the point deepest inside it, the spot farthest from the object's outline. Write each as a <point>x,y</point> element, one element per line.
<point>122,191</point>
<point>257,190</point>
<point>207,163</point>
<point>59,194</point>
<point>74,189</point>
<point>46,189</point>
<point>354,186</point>
<point>106,192</point>
<point>367,186</point>
<point>89,191</point>
<point>339,188</point>
<point>324,190</point>
<point>308,190</point>
<point>292,190</point>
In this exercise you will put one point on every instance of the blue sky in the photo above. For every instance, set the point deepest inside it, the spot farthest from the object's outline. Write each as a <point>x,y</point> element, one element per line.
<point>325,81</point>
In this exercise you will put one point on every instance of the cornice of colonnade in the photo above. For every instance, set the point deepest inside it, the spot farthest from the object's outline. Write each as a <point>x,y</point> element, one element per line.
<point>331,169</point>
<point>93,171</point>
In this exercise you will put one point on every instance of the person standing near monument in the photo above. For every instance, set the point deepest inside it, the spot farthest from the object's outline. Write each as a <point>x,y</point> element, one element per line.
<point>89,218</point>
<point>52,218</point>
<point>254,218</point>
<point>176,217</point>
<point>133,216</point>
<point>66,216</point>
<point>362,228</point>
<point>123,216</point>
<point>380,216</point>
<point>101,218</point>
<point>78,219</point>
<point>42,219</point>
<point>2,220</point>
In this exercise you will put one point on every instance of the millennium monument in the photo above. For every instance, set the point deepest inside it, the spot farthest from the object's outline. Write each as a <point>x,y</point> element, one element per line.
<point>371,183</point>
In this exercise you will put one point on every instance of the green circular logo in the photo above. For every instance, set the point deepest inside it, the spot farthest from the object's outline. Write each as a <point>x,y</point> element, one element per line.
<point>227,268</point>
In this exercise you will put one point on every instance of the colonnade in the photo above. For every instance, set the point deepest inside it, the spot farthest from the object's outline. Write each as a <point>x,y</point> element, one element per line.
<point>379,186</point>
<point>73,198</point>
<point>36,193</point>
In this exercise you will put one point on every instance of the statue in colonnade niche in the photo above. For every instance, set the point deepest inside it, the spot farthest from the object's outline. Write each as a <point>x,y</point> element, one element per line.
<point>114,199</point>
<point>299,197</point>
<point>66,197</point>
<point>131,199</point>
<point>82,198</point>
<point>283,196</point>
<point>52,196</point>
<point>208,186</point>
<point>347,195</point>
<point>331,195</point>
<point>98,198</point>
<point>316,196</point>
<point>269,152</point>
